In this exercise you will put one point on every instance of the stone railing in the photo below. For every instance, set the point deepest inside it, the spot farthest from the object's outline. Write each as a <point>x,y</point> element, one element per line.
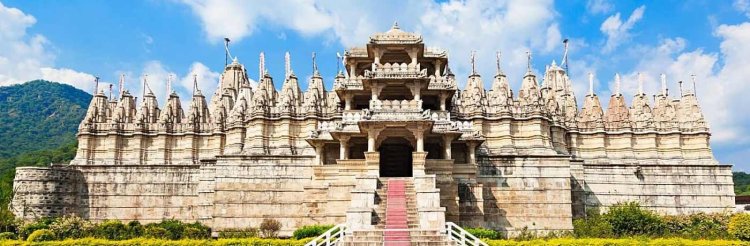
<point>442,83</point>
<point>453,126</point>
<point>352,83</point>
<point>352,116</point>
<point>396,105</point>
<point>396,70</point>
<point>440,115</point>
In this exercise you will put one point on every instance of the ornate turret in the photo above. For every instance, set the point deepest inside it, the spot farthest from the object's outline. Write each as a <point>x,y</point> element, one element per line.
<point>665,109</point>
<point>198,113</point>
<point>473,97</point>
<point>149,111</point>
<point>591,116</point>
<point>126,110</point>
<point>641,115</point>
<point>172,112</point>
<point>241,109</point>
<point>395,36</point>
<point>529,97</point>
<point>618,115</point>
<point>290,98</point>
<point>689,115</point>
<point>500,95</point>
<point>98,111</point>
<point>315,96</point>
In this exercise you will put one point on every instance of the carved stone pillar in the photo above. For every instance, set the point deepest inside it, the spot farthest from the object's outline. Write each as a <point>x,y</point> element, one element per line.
<point>438,63</point>
<point>472,152</point>
<point>419,134</point>
<point>447,146</point>
<point>344,150</point>
<point>442,98</point>
<point>348,101</point>
<point>319,153</point>
<point>372,136</point>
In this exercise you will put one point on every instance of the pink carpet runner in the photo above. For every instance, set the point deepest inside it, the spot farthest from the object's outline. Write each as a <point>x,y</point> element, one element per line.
<point>396,223</point>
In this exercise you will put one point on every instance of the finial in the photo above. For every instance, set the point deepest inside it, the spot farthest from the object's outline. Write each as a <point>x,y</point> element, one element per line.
<point>121,85</point>
<point>640,84</point>
<point>591,84</point>
<point>169,86</point>
<point>143,92</point>
<point>261,66</point>
<point>663,85</point>
<point>226,51</point>
<point>287,65</point>
<point>96,85</point>
<point>680,83</point>
<point>338,62</point>
<point>692,76</point>
<point>473,61</point>
<point>497,58</point>
<point>110,92</point>
<point>565,57</point>
<point>315,65</point>
<point>528,61</point>
<point>617,84</point>
<point>395,25</point>
<point>195,84</point>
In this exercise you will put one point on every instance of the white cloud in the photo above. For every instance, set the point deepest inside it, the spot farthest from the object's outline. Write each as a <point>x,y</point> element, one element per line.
<point>72,77</point>
<point>208,80</point>
<point>617,31</point>
<point>483,25</point>
<point>238,19</point>
<point>742,6</point>
<point>599,6</point>
<point>25,57</point>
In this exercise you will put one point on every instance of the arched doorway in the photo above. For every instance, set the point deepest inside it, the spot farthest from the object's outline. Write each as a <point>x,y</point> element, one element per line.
<point>395,158</point>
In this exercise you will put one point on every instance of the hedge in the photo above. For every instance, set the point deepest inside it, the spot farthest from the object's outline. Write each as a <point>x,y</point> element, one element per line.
<point>293,242</point>
<point>162,242</point>
<point>617,242</point>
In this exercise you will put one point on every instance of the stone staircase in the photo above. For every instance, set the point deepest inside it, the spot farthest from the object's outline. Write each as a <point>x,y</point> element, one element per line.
<point>396,220</point>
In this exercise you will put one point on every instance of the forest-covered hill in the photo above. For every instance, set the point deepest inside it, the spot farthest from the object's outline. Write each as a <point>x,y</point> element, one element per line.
<point>39,115</point>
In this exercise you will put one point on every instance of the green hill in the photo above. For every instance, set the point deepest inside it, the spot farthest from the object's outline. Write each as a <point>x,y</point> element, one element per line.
<point>39,115</point>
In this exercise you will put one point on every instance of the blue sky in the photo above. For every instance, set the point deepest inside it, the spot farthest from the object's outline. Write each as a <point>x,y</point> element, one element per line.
<point>72,41</point>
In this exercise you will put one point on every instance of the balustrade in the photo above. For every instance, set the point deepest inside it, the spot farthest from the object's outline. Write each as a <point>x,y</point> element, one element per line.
<point>396,70</point>
<point>396,105</point>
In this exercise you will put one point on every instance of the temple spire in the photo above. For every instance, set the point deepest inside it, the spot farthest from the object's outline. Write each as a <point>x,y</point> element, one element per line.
<point>617,84</point>
<point>145,83</point>
<point>663,85</point>
<point>692,77</point>
<point>261,66</point>
<point>315,66</point>
<point>96,85</point>
<point>640,84</point>
<point>195,84</point>
<point>121,86</point>
<point>110,92</point>
<point>497,63</point>
<point>528,62</point>
<point>287,65</point>
<point>473,62</point>
<point>169,86</point>
<point>591,84</point>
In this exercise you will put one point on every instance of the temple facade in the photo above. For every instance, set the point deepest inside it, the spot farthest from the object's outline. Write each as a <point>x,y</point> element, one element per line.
<point>478,157</point>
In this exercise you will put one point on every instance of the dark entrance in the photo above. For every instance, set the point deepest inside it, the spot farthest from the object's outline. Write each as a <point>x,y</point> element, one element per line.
<point>395,160</point>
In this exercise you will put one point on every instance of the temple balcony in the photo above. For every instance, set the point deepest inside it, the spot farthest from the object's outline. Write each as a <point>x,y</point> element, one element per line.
<point>351,83</point>
<point>396,105</point>
<point>442,83</point>
<point>396,71</point>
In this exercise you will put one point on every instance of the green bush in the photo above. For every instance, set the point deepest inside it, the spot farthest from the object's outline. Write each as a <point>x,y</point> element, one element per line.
<point>310,231</point>
<point>485,233</point>
<point>593,226</point>
<point>739,226</point>
<point>7,236</point>
<point>629,219</point>
<point>157,232</point>
<point>697,226</point>
<point>41,235</point>
<point>71,227</point>
<point>270,228</point>
<point>135,229</point>
<point>196,231</point>
<point>111,229</point>
<point>29,227</point>
<point>239,233</point>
